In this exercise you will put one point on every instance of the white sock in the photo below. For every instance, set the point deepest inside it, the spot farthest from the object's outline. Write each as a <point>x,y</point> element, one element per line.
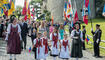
<point>10,56</point>
<point>54,58</point>
<point>45,59</point>
<point>14,56</point>
<point>76,58</point>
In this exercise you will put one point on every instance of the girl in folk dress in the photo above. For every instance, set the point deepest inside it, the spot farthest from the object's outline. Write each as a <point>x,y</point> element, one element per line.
<point>51,28</point>
<point>55,38</point>
<point>61,31</point>
<point>38,43</point>
<point>13,38</point>
<point>65,48</point>
<point>45,45</point>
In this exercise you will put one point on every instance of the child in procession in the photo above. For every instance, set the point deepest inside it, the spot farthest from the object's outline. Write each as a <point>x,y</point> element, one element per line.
<point>65,48</point>
<point>38,43</point>
<point>55,38</point>
<point>45,44</point>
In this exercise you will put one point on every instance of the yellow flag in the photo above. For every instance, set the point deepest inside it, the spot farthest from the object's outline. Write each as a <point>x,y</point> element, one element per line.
<point>10,11</point>
<point>29,16</point>
<point>12,6</point>
<point>4,1</point>
<point>27,3</point>
<point>0,4</point>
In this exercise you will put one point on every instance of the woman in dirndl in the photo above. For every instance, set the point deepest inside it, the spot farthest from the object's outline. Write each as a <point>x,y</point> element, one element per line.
<point>76,50</point>
<point>13,38</point>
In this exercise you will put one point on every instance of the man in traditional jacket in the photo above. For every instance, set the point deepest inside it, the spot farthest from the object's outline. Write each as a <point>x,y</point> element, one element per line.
<point>84,33</point>
<point>97,40</point>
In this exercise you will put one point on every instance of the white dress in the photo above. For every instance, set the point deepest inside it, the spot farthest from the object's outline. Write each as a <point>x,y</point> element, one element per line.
<point>64,54</point>
<point>45,55</point>
<point>54,50</point>
<point>41,54</point>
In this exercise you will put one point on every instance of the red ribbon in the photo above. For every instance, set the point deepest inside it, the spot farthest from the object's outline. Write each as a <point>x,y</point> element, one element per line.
<point>38,45</point>
<point>45,42</point>
<point>55,39</point>
<point>65,44</point>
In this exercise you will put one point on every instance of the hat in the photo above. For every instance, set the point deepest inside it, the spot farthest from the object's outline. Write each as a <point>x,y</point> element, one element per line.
<point>97,25</point>
<point>83,26</point>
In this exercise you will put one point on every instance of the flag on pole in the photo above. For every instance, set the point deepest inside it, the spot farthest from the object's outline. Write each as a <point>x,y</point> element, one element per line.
<point>86,11</point>
<point>69,9</point>
<point>1,10</point>
<point>24,11</point>
<point>87,39</point>
<point>52,20</point>
<point>86,3</point>
<point>10,11</point>
<point>29,16</point>
<point>75,13</point>
<point>65,9</point>
<point>29,49</point>
<point>103,11</point>
<point>25,18</point>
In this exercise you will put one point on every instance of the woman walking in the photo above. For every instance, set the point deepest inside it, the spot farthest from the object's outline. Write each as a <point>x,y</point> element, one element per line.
<point>76,35</point>
<point>13,38</point>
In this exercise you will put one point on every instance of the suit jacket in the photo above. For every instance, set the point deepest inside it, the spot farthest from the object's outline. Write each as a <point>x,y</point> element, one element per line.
<point>84,33</point>
<point>24,29</point>
<point>1,30</point>
<point>97,35</point>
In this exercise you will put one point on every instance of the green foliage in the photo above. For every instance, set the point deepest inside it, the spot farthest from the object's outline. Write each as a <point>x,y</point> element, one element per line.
<point>99,4</point>
<point>18,11</point>
<point>47,15</point>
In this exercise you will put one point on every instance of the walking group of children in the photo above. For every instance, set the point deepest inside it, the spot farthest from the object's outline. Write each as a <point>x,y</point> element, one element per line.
<point>58,47</point>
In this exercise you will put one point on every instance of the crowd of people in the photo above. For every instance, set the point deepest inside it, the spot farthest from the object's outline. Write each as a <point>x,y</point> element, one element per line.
<point>47,38</point>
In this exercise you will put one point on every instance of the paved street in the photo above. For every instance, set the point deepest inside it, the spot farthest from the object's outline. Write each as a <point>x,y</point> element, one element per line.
<point>30,56</point>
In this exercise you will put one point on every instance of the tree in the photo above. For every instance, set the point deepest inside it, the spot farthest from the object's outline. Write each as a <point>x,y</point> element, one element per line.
<point>99,4</point>
<point>18,11</point>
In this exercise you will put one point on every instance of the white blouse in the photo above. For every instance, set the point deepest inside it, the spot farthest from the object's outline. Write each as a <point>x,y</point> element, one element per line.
<point>9,29</point>
<point>59,37</point>
<point>73,32</point>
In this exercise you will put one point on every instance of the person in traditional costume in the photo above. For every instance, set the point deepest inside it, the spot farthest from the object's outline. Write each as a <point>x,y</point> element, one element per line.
<point>97,39</point>
<point>51,28</point>
<point>55,38</point>
<point>65,48</point>
<point>76,50</point>
<point>33,32</point>
<point>38,43</point>
<point>42,27</point>
<point>1,29</point>
<point>84,34</point>
<point>24,33</point>
<point>61,31</point>
<point>45,44</point>
<point>13,38</point>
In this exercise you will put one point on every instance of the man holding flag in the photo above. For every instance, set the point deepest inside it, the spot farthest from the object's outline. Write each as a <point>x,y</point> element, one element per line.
<point>97,40</point>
